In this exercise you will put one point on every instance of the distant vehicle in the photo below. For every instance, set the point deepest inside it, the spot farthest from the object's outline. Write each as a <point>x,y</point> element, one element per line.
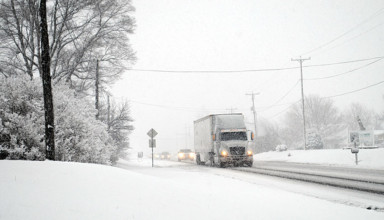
<point>222,140</point>
<point>185,154</point>
<point>165,156</point>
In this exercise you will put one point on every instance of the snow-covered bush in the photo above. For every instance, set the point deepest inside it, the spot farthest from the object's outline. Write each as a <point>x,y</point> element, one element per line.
<point>21,133</point>
<point>281,147</point>
<point>78,135</point>
<point>314,142</point>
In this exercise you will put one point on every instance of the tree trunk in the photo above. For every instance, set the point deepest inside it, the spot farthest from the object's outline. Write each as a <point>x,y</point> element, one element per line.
<point>97,90</point>
<point>47,87</point>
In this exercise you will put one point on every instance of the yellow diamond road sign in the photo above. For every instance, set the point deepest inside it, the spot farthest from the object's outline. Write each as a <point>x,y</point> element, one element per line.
<point>152,133</point>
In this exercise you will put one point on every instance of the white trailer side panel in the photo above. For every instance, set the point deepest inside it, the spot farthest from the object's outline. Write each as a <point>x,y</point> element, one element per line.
<point>203,135</point>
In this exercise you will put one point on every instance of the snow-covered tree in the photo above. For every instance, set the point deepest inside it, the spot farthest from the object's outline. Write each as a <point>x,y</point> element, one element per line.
<point>22,118</point>
<point>314,141</point>
<point>368,117</point>
<point>116,115</point>
<point>81,32</point>
<point>322,117</point>
<point>79,136</point>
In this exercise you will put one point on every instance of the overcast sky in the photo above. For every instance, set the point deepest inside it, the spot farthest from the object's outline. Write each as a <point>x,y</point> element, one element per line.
<point>233,35</point>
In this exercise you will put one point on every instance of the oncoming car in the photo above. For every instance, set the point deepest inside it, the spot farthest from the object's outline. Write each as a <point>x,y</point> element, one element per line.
<point>185,154</point>
<point>165,156</point>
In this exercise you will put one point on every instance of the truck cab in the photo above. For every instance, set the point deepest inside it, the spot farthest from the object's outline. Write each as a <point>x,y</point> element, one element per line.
<point>232,148</point>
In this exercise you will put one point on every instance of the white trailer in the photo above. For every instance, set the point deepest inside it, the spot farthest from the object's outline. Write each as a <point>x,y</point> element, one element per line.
<point>221,139</point>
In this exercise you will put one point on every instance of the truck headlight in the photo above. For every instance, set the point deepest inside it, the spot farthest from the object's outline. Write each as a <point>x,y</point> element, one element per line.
<point>181,155</point>
<point>224,153</point>
<point>249,153</point>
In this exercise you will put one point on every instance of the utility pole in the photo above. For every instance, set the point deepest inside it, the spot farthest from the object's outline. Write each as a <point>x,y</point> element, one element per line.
<point>254,110</point>
<point>301,60</point>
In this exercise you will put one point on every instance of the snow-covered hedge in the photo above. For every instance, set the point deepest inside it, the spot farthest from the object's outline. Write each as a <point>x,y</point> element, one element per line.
<point>22,119</point>
<point>78,135</point>
<point>281,147</point>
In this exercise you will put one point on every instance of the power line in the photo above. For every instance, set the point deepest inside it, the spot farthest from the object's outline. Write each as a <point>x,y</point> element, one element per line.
<point>293,103</point>
<point>215,71</point>
<point>358,68</point>
<point>345,62</point>
<point>270,106</point>
<point>183,108</point>
<point>275,103</point>
<point>180,108</point>
<point>332,96</point>
<point>357,90</point>
<point>254,70</point>
<point>345,33</point>
<point>351,39</point>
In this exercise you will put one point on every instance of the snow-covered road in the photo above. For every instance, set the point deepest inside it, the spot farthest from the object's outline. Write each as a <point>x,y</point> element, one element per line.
<point>349,197</point>
<point>370,180</point>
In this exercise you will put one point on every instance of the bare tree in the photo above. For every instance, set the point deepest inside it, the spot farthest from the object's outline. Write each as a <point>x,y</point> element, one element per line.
<point>269,136</point>
<point>80,31</point>
<point>19,36</point>
<point>118,120</point>
<point>323,119</point>
<point>368,118</point>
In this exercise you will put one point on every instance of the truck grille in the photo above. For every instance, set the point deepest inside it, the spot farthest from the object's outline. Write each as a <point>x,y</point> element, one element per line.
<point>237,151</point>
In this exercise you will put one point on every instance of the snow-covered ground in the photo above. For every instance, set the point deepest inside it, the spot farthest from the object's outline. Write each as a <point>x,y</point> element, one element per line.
<point>367,158</point>
<point>170,190</point>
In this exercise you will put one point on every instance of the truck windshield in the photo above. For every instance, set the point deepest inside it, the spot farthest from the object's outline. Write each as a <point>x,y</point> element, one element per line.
<point>228,136</point>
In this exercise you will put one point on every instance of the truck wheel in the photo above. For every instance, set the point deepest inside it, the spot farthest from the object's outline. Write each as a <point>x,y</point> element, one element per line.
<point>222,164</point>
<point>211,159</point>
<point>211,162</point>
<point>198,161</point>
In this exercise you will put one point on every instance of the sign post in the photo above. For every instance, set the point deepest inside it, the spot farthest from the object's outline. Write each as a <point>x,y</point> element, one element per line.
<point>355,150</point>
<point>152,142</point>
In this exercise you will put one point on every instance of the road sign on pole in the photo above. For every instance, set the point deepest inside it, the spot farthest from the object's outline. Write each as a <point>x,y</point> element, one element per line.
<point>152,133</point>
<point>152,143</point>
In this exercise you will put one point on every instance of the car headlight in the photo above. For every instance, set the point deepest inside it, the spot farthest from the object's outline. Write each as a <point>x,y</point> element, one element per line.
<point>224,153</point>
<point>249,153</point>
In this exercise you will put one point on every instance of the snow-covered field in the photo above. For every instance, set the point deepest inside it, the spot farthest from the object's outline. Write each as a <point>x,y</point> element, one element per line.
<point>171,190</point>
<point>367,158</point>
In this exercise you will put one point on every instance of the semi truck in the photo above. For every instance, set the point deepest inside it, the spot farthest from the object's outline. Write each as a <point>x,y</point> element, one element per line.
<point>222,140</point>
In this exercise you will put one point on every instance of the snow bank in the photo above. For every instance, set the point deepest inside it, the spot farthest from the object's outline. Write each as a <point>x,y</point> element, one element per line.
<point>63,190</point>
<point>368,158</point>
